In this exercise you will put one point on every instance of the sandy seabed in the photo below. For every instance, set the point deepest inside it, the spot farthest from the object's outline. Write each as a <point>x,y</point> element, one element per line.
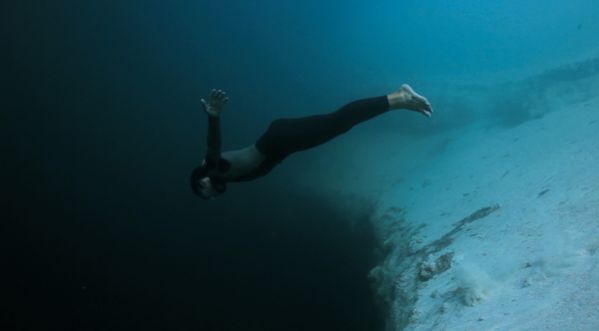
<point>529,260</point>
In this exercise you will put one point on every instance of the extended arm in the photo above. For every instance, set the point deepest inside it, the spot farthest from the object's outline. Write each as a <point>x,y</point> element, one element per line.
<point>231,164</point>
<point>213,108</point>
<point>213,152</point>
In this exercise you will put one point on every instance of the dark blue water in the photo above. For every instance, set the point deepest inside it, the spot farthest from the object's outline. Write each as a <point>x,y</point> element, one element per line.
<point>101,125</point>
<point>102,129</point>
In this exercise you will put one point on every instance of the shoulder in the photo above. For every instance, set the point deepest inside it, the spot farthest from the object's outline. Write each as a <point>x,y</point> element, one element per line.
<point>211,165</point>
<point>223,165</point>
<point>216,164</point>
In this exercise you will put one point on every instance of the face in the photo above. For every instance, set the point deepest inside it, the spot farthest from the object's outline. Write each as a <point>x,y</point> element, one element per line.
<point>206,188</point>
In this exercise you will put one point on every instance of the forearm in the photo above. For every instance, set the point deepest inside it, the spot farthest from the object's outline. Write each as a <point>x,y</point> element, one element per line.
<point>214,139</point>
<point>213,108</point>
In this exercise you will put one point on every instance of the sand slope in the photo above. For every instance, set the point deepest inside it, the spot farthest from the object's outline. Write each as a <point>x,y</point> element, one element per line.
<point>497,230</point>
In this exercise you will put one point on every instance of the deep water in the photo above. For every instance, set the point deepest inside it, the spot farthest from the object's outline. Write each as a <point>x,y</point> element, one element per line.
<point>101,130</point>
<point>136,266</point>
<point>101,125</point>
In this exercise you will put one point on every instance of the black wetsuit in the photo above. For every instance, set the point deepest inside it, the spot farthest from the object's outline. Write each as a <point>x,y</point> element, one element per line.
<point>287,136</point>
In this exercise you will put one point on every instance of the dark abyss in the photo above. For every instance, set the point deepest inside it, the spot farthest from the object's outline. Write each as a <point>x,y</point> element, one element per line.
<point>99,134</point>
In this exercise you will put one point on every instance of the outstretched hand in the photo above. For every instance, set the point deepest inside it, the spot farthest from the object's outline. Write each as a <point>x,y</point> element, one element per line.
<point>216,102</point>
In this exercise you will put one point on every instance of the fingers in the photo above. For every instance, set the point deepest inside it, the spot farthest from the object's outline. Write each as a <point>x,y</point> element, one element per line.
<point>218,95</point>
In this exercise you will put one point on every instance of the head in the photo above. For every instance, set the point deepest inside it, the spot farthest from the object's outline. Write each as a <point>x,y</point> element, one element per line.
<point>203,186</point>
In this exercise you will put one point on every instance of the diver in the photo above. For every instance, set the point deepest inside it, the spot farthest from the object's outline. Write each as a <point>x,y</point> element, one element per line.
<point>286,136</point>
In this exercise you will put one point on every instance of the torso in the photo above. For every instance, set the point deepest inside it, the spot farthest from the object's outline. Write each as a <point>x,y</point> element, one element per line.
<point>241,163</point>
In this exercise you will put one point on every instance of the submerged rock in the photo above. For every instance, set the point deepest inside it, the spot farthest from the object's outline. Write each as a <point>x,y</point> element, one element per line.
<point>429,270</point>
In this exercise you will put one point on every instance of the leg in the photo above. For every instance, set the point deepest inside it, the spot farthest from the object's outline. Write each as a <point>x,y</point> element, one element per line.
<point>287,136</point>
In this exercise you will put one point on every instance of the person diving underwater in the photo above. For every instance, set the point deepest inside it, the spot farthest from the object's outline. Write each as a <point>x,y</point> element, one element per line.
<point>286,136</point>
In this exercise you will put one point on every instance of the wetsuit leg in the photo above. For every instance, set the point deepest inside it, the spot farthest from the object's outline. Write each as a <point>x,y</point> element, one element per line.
<point>290,135</point>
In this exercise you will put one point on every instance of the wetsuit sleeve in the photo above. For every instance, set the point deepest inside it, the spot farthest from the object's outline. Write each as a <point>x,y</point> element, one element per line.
<point>214,141</point>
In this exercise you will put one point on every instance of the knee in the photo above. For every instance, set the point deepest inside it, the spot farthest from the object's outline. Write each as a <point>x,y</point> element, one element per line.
<point>342,124</point>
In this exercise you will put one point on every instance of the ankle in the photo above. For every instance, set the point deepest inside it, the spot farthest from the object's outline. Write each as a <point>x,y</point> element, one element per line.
<point>398,99</point>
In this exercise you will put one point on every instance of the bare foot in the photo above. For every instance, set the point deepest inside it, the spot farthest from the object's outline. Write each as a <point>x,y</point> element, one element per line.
<point>406,98</point>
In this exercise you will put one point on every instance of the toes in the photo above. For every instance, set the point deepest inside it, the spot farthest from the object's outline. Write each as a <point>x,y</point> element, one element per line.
<point>428,106</point>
